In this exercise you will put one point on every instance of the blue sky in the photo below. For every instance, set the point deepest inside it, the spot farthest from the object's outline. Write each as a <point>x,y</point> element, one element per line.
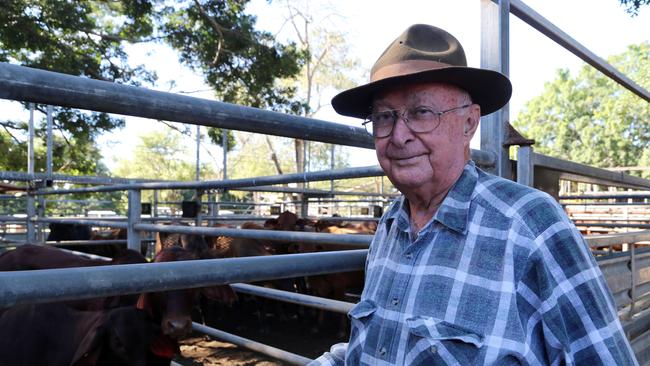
<point>601,25</point>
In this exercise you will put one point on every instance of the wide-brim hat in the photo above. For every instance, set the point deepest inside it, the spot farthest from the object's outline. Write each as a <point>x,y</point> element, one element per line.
<point>424,53</point>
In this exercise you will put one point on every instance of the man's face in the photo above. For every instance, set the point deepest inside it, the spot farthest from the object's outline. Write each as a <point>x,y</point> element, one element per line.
<point>430,160</point>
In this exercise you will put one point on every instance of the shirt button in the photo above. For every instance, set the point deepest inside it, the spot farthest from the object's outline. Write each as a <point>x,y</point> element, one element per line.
<point>382,351</point>
<point>408,255</point>
<point>395,302</point>
<point>434,349</point>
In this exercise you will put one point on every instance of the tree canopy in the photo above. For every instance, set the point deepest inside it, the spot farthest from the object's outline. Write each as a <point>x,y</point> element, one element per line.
<point>87,38</point>
<point>591,119</point>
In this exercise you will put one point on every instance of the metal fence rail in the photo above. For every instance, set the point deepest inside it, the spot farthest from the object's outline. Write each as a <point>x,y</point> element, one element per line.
<point>42,286</point>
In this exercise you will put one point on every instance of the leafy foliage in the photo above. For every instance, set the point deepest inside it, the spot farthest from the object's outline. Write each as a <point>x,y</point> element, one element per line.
<point>161,155</point>
<point>87,38</point>
<point>632,6</point>
<point>591,119</point>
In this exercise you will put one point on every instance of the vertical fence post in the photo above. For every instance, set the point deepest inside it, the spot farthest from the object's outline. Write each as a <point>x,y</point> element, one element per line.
<point>40,233</point>
<point>30,145</point>
<point>135,210</point>
<point>211,199</point>
<point>525,166</point>
<point>31,213</point>
<point>494,56</point>
<point>198,152</point>
<point>199,206</point>
<point>224,147</point>
<point>634,280</point>
<point>49,142</point>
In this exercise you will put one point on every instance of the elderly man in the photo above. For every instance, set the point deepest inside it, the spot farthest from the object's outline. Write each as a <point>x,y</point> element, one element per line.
<point>465,268</point>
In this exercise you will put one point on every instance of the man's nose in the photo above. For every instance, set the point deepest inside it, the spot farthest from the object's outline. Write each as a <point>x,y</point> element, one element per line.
<point>401,132</point>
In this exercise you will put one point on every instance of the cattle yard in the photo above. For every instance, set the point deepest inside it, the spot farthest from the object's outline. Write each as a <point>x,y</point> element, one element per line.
<point>616,225</point>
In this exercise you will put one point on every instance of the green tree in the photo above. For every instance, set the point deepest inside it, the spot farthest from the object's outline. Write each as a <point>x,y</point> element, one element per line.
<point>87,38</point>
<point>589,118</point>
<point>632,6</point>
<point>162,155</point>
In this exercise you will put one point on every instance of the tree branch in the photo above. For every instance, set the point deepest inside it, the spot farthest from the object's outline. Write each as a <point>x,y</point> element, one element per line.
<point>216,27</point>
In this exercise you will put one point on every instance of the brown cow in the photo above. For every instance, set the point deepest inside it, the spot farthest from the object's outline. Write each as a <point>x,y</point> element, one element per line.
<point>32,257</point>
<point>334,285</point>
<point>58,335</point>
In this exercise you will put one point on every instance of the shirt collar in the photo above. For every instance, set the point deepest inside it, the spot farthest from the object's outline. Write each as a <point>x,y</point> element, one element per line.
<point>454,210</point>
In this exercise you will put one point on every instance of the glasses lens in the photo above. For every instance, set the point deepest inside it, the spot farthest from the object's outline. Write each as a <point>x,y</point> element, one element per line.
<point>422,119</point>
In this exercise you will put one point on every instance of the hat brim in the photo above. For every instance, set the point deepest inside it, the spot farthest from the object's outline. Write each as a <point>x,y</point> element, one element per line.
<point>489,89</point>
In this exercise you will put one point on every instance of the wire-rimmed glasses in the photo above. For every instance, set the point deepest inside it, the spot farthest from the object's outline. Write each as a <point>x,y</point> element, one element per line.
<point>418,119</point>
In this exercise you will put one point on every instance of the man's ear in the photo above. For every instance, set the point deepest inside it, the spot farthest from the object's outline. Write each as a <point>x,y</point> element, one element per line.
<point>470,122</point>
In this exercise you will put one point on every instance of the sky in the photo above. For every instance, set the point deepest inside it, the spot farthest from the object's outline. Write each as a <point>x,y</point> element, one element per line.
<point>602,26</point>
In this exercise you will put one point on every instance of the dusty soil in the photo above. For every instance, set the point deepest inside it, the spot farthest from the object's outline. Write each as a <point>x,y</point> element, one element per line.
<point>295,334</point>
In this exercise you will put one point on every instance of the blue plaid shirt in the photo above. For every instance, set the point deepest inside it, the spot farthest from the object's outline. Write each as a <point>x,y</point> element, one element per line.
<point>499,276</point>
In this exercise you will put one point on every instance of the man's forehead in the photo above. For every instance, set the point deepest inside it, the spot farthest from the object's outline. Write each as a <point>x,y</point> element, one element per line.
<point>419,93</point>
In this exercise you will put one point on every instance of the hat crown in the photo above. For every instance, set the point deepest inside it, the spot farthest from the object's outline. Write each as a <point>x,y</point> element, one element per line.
<point>422,42</point>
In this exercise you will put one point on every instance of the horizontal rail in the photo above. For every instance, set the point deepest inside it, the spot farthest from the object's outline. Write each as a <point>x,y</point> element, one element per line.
<point>294,298</point>
<point>42,286</point>
<point>606,195</point>
<point>313,192</point>
<point>83,221</point>
<point>535,20</point>
<point>619,238</point>
<point>346,173</point>
<point>612,225</point>
<point>362,241</point>
<point>277,353</point>
<point>577,169</point>
<point>80,179</point>
<point>47,87</point>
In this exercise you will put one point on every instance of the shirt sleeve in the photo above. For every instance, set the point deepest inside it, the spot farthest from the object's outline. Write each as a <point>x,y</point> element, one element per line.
<point>567,309</point>
<point>335,357</point>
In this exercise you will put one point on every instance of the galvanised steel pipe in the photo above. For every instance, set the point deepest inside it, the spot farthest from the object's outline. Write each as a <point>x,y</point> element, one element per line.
<point>535,20</point>
<point>574,168</point>
<point>277,353</point>
<point>42,286</point>
<point>89,222</point>
<point>346,173</point>
<point>362,241</point>
<point>295,298</point>
<point>46,87</point>
<point>21,176</point>
<point>39,86</point>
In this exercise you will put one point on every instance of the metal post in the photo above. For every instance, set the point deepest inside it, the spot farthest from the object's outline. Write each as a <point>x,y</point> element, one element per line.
<point>49,142</point>
<point>40,234</point>
<point>155,204</point>
<point>332,166</point>
<point>224,146</point>
<point>30,146</point>
<point>635,280</point>
<point>197,199</point>
<point>211,211</point>
<point>495,52</point>
<point>135,210</point>
<point>525,166</point>
<point>304,206</point>
<point>198,149</point>
<point>31,213</point>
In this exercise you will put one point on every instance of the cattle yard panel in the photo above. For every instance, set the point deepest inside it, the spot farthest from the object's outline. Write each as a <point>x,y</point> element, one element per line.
<point>631,288</point>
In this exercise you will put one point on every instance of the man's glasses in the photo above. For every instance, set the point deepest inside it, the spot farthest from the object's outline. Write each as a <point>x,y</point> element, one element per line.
<point>418,119</point>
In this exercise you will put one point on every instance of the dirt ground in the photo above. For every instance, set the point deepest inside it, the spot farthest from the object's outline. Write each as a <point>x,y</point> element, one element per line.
<point>295,334</point>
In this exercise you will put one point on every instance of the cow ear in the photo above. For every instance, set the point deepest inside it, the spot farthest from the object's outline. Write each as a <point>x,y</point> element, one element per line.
<point>224,294</point>
<point>90,347</point>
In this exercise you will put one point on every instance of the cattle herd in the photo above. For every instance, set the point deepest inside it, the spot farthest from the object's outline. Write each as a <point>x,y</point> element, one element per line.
<point>145,329</point>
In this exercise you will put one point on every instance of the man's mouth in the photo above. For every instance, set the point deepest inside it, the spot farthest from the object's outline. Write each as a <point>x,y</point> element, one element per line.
<point>406,159</point>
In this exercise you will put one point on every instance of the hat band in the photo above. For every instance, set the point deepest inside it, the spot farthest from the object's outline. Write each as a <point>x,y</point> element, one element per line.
<point>405,68</point>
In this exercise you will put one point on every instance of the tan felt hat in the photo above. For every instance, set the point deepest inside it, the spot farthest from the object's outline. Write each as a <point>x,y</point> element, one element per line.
<point>424,53</point>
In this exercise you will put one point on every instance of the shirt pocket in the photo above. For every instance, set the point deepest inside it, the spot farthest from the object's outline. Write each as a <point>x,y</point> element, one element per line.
<point>436,342</point>
<point>361,313</point>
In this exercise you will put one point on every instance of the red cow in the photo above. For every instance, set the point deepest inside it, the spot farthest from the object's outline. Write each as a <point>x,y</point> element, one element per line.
<point>58,335</point>
<point>32,257</point>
